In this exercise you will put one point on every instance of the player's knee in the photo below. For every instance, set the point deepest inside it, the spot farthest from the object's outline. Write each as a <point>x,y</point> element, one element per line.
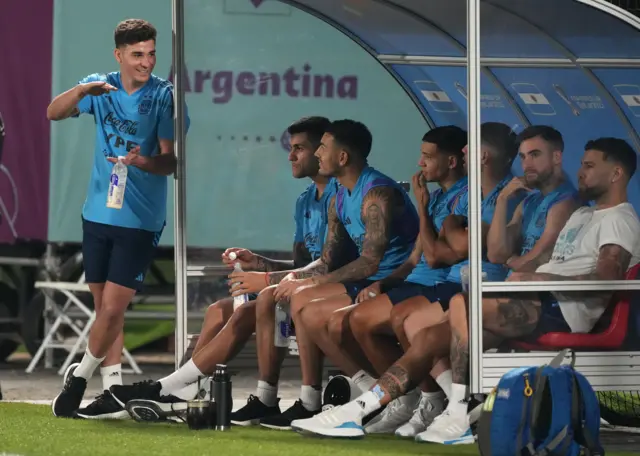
<point>397,318</point>
<point>265,304</point>
<point>243,318</point>
<point>458,304</point>
<point>219,311</point>
<point>112,313</point>
<point>359,321</point>
<point>336,325</point>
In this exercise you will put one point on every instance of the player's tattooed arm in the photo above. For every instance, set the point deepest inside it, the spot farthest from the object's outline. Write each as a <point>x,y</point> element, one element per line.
<point>377,213</point>
<point>613,262</point>
<point>279,269</point>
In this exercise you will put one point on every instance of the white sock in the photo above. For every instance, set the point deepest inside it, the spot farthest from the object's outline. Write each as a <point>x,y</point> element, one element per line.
<point>456,400</point>
<point>88,365</point>
<point>369,401</point>
<point>445,380</point>
<point>190,392</point>
<point>268,394</point>
<point>311,398</point>
<point>111,375</point>
<point>184,376</point>
<point>363,381</point>
<point>433,398</point>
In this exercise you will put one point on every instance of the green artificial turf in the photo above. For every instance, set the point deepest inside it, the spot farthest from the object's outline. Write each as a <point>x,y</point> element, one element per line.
<point>31,430</point>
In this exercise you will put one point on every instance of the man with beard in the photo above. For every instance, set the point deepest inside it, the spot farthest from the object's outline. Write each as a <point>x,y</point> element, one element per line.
<point>599,242</point>
<point>526,241</point>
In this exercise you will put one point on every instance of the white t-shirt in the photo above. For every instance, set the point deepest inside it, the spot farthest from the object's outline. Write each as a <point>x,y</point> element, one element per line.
<point>576,253</point>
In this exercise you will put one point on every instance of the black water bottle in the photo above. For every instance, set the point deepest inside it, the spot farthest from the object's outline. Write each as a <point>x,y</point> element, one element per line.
<point>222,392</point>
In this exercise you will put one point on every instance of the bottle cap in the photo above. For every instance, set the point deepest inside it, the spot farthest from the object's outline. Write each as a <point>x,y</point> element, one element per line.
<point>121,158</point>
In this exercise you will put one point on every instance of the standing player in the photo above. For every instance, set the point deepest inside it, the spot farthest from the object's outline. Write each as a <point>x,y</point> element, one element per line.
<point>133,111</point>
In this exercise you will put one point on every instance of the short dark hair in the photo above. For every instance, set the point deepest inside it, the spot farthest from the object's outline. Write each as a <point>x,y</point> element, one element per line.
<point>449,139</point>
<point>547,133</point>
<point>354,136</point>
<point>616,150</point>
<point>132,31</point>
<point>502,139</point>
<point>314,127</point>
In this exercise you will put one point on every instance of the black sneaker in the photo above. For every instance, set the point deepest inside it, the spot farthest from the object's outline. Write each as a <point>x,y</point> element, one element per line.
<point>165,409</point>
<point>68,401</point>
<point>105,407</point>
<point>253,412</point>
<point>283,421</point>
<point>148,390</point>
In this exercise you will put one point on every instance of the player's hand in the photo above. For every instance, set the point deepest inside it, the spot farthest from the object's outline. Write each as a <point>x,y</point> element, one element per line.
<point>246,282</point>
<point>516,185</point>
<point>247,259</point>
<point>97,88</point>
<point>420,191</point>
<point>370,292</point>
<point>286,288</point>
<point>133,157</point>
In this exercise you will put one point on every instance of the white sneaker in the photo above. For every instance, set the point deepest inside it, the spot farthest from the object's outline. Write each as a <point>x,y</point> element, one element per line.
<point>422,417</point>
<point>397,413</point>
<point>448,429</point>
<point>342,421</point>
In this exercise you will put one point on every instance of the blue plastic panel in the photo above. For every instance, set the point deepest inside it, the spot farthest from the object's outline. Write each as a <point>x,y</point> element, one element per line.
<point>584,30</point>
<point>442,92</point>
<point>570,102</point>
<point>384,28</point>
<point>624,85</point>
<point>502,34</point>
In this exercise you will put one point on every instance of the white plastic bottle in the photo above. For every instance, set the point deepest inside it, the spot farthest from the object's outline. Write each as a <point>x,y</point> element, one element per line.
<point>117,185</point>
<point>243,298</point>
<point>283,325</point>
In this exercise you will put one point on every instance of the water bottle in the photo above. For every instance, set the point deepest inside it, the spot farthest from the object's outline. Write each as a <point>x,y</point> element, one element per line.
<point>240,299</point>
<point>283,325</point>
<point>464,277</point>
<point>117,185</point>
<point>222,393</point>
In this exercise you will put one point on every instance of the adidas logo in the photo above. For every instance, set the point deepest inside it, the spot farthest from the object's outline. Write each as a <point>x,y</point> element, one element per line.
<point>347,221</point>
<point>140,277</point>
<point>361,404</point>
<point>114,374</point>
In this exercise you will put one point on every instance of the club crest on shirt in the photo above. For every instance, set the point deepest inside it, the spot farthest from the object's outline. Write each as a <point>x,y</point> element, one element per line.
<point>144,108</point>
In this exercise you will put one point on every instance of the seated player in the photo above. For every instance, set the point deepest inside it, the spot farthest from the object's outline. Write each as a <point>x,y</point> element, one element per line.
<point>224,331</point>
<point>366,326</point>
<point>599,242</point>
<point>526,241</point>
<point>376,213</point>
<point>498,150</point>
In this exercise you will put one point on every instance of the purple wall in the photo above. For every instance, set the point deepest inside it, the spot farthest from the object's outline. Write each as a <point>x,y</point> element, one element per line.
<point>26,34</point>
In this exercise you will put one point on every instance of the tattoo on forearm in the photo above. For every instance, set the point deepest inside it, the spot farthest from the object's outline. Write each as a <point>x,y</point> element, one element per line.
<point>459,357</point>
<point>337,238</point>
<point>613,262</point>
<point>377,212</point>
<point>269,265</point>
<point>395,381</point>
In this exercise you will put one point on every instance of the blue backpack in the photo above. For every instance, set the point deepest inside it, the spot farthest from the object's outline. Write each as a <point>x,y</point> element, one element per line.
<point>540,411</point>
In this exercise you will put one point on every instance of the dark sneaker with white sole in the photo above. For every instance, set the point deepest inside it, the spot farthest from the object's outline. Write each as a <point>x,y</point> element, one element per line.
<point>144,410</point>
<point>253,412</point>
<point>147,390</point>
<point>104,407</point>
<point>68,401</point>
<point>283,421</point>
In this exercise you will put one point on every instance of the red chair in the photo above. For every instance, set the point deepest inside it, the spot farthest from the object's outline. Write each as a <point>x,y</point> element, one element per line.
<point>610,338</point>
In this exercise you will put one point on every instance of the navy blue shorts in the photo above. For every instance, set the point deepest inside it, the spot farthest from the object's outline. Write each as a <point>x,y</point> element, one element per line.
<point>355,287</point>
<point>551,318</point>
<point>117,254</point>
<point>440,293</point>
